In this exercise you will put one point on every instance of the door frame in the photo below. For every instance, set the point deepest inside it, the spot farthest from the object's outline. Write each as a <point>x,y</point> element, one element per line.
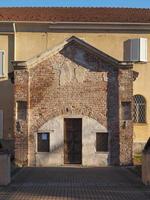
<point>64,129</point>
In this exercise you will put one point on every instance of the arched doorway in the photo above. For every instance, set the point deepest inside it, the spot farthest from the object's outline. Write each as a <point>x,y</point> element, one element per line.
<point>71,139</point>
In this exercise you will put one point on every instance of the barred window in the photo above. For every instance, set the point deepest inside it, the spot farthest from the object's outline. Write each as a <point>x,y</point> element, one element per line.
<point>102,142</point>
<point>139,109</point>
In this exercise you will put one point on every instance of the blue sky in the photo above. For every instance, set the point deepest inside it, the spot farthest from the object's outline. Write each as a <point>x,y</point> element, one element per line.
<point>94,3</point>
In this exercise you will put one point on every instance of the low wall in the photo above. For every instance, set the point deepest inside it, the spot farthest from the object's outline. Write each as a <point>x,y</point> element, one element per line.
<point>146,167</point>
<point>138,147</point>
<point>4,168</point>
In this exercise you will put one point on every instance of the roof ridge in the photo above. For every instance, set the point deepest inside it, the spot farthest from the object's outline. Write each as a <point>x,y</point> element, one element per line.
<point>72,7</point>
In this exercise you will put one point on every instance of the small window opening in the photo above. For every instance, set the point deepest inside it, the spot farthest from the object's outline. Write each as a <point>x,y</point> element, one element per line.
<point>126,111</point>
<point>101,142</point>
<point>43,142</point>
<point>21,110</point>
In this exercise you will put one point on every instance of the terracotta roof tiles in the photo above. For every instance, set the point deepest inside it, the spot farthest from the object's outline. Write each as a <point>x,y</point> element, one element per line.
<point>128,15</point>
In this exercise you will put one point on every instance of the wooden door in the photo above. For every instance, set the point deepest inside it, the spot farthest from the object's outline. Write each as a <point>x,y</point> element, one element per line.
<point>72,140</point>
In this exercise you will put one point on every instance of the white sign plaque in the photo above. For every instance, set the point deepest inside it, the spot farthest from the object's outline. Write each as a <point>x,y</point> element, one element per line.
<point>44,136</point>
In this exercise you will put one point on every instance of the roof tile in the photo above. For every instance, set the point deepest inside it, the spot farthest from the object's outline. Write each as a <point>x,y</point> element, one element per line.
<point>128,15</point>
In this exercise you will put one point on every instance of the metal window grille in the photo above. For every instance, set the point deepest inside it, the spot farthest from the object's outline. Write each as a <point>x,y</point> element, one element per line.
<point>139,109</point>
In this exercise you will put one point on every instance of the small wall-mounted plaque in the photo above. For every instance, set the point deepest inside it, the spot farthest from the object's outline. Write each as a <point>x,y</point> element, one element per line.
<point>44,136</point>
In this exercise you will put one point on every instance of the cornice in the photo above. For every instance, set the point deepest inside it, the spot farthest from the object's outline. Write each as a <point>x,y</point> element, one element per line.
<point>7,27</point>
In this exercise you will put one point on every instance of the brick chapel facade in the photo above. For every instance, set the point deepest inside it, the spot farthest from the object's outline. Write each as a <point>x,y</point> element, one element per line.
<point>73,105</point>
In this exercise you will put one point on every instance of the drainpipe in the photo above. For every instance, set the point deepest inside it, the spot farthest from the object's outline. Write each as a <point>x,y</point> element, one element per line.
<point>14,28</point>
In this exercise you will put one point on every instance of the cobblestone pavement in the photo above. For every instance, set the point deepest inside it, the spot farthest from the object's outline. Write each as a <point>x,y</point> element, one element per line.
<point>112,183</point>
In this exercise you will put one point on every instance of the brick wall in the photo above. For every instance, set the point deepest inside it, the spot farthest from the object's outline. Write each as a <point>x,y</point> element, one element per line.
<point>21,126</point>
<point>76,82</point>
<point>126,127</point>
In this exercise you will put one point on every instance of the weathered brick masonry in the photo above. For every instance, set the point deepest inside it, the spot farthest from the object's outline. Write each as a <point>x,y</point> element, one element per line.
<point>74,81</point>
<point>126,133</point>
<point>21,127</point>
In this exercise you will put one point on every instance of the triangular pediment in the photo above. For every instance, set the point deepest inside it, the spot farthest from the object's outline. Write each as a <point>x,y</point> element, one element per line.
<point>79,52</point>
<point>85,55</point>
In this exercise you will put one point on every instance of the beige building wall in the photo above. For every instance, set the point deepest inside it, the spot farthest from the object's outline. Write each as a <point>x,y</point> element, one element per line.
<point>29,44</point>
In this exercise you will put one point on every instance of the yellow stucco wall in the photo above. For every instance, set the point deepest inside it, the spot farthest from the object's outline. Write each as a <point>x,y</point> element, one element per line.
<point>30,44</point>
<point>142,86</point>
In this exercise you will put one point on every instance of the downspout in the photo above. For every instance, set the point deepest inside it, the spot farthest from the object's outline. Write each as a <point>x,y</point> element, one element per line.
<point>14,29</point>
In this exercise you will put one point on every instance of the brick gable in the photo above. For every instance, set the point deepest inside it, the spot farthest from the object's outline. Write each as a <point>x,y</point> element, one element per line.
<point>77,81</point>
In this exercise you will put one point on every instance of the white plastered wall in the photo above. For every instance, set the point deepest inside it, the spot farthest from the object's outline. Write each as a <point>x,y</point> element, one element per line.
<point>55,127</point>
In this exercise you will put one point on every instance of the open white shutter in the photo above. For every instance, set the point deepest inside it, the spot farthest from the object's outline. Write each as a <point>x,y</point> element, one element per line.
<point>1,63</point>
<point>1,124</point>
<point>135,50</point>
<point>143,50</point>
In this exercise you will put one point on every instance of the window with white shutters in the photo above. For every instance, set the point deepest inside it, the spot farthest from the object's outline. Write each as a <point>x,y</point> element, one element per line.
<point>1,63</point>
<point>1,124</point>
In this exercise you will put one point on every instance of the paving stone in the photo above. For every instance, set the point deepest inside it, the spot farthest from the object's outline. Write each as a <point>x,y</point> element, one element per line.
<point>111,183</point>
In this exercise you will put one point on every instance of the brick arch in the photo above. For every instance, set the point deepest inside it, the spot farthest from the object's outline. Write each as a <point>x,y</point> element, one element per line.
<point>80,111</point>
<point>69,110</point>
